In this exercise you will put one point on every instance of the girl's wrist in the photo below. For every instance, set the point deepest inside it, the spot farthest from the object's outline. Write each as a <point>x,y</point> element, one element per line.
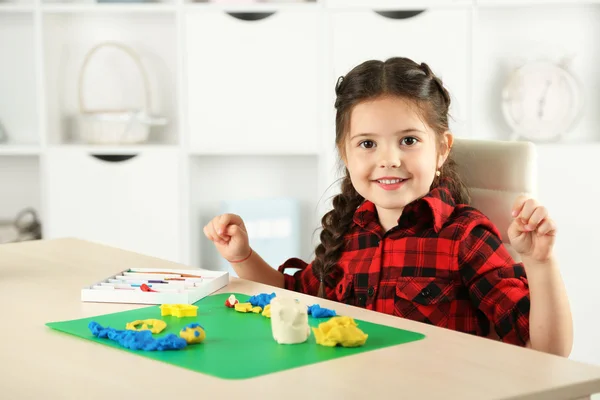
<point>243,259</point>
<point>531,263</point>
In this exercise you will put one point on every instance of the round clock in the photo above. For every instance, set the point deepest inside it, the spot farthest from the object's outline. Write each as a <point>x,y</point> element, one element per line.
<point>541,101</point>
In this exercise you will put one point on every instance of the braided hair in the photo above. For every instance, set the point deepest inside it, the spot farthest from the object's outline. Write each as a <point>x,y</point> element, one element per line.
<point>399,77</point>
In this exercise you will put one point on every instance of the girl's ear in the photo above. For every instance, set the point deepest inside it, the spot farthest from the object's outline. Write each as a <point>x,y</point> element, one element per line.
<point>445,147</point>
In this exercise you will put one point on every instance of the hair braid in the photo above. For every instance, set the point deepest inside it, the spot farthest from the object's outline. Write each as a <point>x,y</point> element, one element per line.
<point>335,225</point>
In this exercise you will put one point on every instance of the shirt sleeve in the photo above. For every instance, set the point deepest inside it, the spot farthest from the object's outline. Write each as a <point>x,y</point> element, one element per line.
<point>304,280</point>
<point>497,285</point>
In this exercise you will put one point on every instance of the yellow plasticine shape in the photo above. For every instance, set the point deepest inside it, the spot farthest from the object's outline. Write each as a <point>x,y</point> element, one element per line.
<point>179,310</point>
<point>267,311</point>
<point>257,309</point>
<point>339,330</point>
<point>243,307</point>
<point>190,335</point>
<point>157,325</point>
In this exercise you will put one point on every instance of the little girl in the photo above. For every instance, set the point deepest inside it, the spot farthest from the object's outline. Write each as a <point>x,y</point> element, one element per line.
<point>401,238</point>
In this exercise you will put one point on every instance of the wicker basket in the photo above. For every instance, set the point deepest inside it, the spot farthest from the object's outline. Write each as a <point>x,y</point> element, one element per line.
<point>121,126</point>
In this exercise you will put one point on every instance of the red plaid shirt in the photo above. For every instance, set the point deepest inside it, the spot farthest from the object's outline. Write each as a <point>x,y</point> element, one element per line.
<point>444,264</point>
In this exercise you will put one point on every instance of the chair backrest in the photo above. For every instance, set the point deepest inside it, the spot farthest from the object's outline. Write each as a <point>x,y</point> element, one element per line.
<point>496,172</point>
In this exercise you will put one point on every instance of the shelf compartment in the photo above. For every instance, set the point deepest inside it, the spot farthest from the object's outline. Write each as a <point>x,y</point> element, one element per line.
<point>111,79</point>
<point>215,179</point>
<point>20,183</point>
<point>233,62</point>
<point>533,36</point>
<point>18,79</point>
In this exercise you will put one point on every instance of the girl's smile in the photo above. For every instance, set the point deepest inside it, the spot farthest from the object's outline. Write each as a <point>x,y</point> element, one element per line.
<point>390,183</point>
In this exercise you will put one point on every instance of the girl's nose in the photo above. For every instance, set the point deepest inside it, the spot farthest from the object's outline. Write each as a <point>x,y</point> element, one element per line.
<point>390,159</point>
<point>390,164</point>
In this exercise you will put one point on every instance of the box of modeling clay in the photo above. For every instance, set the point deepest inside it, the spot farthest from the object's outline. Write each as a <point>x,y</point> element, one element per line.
<point>156,286</point>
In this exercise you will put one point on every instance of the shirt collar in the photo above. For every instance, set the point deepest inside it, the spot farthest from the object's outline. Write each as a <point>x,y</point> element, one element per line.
<point>433,209</point>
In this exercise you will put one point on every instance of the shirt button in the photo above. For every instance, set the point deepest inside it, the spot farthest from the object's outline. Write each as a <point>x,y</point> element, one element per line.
<point>425,292</point>
<point>371,291</point>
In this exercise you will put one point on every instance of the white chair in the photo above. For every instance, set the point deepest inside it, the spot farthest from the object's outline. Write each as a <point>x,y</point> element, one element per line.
<point>496,172</point>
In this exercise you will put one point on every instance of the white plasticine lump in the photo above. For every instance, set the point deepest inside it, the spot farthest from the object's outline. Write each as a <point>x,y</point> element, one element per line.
<point>289,321</point>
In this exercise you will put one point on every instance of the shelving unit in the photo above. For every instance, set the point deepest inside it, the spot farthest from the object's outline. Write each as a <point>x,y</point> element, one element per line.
<point>250,82</point>
<point>248,93</point>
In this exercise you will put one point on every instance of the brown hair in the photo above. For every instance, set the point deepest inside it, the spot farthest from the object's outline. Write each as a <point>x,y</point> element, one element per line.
<point>400,77</point>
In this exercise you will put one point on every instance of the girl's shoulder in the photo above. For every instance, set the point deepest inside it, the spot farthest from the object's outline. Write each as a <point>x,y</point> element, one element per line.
<point>466,217</point>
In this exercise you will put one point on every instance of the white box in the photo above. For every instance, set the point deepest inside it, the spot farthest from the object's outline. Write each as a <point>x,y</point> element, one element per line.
<point>124,287</point>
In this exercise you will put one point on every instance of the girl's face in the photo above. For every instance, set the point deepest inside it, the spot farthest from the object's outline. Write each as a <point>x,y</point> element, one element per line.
<point>391,154</point>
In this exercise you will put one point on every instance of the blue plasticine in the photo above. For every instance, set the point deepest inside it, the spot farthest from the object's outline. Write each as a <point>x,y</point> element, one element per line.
<point>138,340</point>
<point>319,312</point>
<point>261,300</point>
<point>193,325</point>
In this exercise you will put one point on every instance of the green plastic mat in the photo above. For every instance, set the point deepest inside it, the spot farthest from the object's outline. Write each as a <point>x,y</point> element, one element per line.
<point>235,342</point>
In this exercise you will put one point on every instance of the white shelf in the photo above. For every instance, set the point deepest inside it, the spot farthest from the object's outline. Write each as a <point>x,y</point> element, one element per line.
<point>254,153</point>
<point>19,150</point>
<point>15,8</point>
<point>398,4</point>
<point>114,150</point>
<point>108,8</point>
<point>533,3</point>
<point>252,8</point>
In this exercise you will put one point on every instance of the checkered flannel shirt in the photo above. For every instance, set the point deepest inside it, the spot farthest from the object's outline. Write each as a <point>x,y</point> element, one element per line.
<point>443,264</point>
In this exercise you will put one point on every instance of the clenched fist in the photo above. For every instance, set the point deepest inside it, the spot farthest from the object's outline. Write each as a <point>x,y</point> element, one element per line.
<point>228,233</point>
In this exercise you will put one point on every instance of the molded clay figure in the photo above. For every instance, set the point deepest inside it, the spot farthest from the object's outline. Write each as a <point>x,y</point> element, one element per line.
<point>289,321</point>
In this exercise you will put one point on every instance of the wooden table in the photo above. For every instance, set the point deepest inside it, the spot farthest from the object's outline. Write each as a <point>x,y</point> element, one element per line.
<point>41,282</point>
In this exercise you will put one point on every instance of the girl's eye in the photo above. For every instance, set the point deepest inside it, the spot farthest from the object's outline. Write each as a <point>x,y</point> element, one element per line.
<point>367,144</point>
<point>409,141</point>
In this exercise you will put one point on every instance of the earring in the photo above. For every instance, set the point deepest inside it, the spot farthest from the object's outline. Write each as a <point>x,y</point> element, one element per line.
<point>438,173</point>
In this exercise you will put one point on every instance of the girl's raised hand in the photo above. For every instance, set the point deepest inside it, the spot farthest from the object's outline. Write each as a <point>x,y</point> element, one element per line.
<point>228,233</point>
<point>532,233</point>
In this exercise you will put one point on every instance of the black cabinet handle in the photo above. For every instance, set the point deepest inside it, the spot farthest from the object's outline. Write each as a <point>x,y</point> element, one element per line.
<point>400,14</point>
<point>250,16</point>
<point>114,158</point>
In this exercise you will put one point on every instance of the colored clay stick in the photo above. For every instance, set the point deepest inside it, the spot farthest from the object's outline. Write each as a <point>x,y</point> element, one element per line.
<point>133,275</point>
<point>162,288</point>
<point>159,284</point>
<point>182,275</point>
